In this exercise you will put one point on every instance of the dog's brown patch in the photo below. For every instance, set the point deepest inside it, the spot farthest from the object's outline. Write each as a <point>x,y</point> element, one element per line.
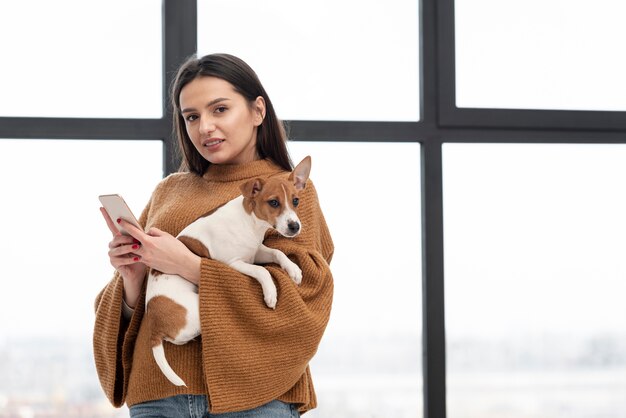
<point>155,273</point>
<point>165,318</point>
<point>250,190</point>
<point>273,189</point>
<point>195,246</point>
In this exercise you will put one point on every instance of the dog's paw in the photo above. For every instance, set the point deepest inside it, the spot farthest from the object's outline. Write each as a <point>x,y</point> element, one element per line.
<point>270,299</point>
<point>294,272</point>
<point>297,278</point>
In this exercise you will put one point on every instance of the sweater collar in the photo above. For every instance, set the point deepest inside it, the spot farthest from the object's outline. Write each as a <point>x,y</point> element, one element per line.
<point>239,172</point>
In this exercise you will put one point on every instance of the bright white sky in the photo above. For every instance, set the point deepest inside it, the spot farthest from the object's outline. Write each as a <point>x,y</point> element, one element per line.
<point>82,58</point>
<point>547,54</point>
<point>534,239</point>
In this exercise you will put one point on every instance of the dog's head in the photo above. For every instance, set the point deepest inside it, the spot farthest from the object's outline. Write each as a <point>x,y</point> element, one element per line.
<point>275,200</point>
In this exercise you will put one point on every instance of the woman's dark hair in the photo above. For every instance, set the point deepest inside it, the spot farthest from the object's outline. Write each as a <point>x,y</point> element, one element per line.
<point>271,139</point>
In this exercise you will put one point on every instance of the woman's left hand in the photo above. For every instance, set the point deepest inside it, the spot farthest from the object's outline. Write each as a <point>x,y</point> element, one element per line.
<point>164,252</point>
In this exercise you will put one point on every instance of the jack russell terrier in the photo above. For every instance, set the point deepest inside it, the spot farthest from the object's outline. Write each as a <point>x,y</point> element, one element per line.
<point>233,234</point>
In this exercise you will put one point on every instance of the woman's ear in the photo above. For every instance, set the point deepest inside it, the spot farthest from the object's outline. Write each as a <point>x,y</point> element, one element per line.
<point>259,110</point>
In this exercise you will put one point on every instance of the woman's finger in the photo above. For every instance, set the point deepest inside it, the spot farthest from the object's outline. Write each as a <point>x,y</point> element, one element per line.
<point>120,240</point>
<point>109,222</point>
<point>124,260</point>
<point>123,250</point>
<point>132,230</point>
<point>156,232</point>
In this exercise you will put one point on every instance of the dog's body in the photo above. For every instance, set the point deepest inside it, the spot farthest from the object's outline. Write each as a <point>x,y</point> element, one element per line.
<point>233,234</point>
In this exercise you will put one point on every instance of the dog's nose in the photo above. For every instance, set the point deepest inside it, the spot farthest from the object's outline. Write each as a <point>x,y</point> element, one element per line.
<point>294,227</point>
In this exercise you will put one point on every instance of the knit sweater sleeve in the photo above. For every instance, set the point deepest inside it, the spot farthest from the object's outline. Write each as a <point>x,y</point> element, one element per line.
<point>253,354</point>
<point>114,335</point>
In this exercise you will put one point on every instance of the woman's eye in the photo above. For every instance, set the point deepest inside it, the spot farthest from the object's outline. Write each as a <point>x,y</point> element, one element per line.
<point>296,201</point>
<point>191,118</point>
<point>274,203</point>
<point>220,109</point>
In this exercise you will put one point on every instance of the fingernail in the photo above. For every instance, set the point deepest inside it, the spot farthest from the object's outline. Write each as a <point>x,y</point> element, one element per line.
<point>119,220</point>
<point>136,259</point>
<point>135,246</point>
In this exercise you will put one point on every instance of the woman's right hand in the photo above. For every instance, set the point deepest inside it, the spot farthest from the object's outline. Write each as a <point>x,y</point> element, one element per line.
<point>122,258</point>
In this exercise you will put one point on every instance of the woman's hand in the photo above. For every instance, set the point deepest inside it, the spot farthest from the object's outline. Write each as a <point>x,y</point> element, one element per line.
<point>124,259</point>
<point>164,252</point>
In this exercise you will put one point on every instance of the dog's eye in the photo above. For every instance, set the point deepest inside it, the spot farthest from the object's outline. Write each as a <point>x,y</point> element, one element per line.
<point>274,203</point>
<point>296,201</point>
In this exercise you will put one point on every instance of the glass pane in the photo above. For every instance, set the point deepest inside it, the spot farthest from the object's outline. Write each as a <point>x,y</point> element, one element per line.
<point>534,250</point>
<point>56,241</point>
<point>368,364</point>
<point>325,60</point>
<point>540,54</point>
<point>76,58</point>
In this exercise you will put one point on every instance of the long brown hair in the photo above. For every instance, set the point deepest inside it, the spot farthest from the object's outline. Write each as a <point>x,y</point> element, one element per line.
<point>271,140</point>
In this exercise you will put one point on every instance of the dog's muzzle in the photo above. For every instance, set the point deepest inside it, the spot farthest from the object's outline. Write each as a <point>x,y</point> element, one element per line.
<point>293,227</point>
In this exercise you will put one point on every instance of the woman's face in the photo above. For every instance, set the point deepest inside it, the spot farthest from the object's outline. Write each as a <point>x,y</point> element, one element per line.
<point>221,123</point>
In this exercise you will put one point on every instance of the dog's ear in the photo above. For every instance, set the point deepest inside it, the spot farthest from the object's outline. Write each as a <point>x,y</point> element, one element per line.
<point>300,174</point>
<point>252,187</point>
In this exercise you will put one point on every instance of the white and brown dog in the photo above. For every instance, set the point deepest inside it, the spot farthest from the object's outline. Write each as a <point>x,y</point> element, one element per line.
<point>233,234</point>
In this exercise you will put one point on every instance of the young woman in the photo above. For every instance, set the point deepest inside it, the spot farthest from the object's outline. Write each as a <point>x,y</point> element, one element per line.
<point>250,361</point>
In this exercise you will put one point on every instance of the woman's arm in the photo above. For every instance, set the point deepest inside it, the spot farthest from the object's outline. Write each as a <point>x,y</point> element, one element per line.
<point>114,335</point>
<point>125,261</point>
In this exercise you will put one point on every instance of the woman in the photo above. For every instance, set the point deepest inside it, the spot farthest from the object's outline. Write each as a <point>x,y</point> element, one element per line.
<point>250,361</point>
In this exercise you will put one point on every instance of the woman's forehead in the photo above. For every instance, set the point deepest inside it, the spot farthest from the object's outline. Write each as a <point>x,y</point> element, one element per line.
<point>208,88</point>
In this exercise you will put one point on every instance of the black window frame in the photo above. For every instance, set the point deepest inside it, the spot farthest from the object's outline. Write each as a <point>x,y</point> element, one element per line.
<point>441,122</point>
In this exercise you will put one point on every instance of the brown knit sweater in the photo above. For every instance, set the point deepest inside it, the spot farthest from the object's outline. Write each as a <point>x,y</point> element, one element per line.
<point>248,354</point>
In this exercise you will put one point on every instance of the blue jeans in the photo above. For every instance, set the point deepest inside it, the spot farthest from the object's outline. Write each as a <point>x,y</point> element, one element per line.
<point>196,406</point>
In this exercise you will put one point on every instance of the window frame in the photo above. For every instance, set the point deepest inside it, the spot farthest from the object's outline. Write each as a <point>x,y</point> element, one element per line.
<point>456,117</point>
<point>440,122</point>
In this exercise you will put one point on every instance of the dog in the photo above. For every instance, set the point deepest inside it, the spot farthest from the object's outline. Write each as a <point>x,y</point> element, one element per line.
<point>233,234</point>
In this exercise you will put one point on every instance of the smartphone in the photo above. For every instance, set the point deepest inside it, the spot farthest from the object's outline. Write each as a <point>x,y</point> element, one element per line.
<point>116,207</point>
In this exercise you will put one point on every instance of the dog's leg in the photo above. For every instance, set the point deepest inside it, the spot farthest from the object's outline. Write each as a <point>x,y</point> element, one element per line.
<point>270,255</point>
<point>263,277</point>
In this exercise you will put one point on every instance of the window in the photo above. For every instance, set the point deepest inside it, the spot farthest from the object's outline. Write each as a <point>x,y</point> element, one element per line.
<point>72,58</point>
<point>441,75</point>
<point>534,280</point>
<point>57,263</point>
<point>540,54</point>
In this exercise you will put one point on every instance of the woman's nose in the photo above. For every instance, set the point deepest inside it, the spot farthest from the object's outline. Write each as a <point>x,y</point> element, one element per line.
<point>207,125</point>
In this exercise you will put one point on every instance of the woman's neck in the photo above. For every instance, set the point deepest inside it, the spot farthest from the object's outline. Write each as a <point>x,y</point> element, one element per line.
<point>240,172</point>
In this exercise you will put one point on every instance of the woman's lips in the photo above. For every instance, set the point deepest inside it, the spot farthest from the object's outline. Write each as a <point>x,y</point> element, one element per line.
<point>212,142</point>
